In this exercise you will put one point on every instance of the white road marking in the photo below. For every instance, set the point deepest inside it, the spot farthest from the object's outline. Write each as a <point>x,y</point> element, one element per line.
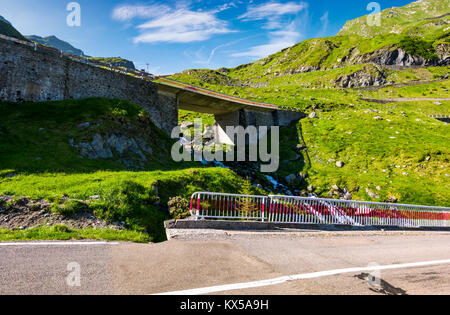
<point>57,244</point>
<point>270,282</point>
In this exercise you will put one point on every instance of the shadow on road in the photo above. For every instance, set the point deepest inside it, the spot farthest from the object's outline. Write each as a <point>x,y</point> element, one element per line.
<point>385,288</point>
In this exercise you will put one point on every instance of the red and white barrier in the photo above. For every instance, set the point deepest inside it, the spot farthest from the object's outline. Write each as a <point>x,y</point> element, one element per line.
<point>287,209</point>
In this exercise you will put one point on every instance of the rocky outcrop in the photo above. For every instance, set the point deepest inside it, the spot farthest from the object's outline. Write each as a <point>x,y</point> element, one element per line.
<point>132,152</point>
<point>391,56</point>
<point>443,52</point>
<point>360,78</point>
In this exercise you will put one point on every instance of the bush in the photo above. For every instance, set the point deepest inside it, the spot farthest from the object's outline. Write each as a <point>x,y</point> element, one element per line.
<point>418,47</point>
<point>60,229</point>
<point>68,208</point>
<point>179,208</point>
<point>133,204</point>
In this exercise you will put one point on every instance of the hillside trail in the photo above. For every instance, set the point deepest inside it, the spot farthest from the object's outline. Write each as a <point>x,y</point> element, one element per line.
<point>404,99</point>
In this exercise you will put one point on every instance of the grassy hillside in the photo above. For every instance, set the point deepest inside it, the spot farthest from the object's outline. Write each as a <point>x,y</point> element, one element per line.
<point>37,161</point>
<point>391,149</point>
<point>425,18</point>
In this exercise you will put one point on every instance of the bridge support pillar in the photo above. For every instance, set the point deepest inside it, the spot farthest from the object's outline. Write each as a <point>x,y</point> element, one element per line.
<point>220,127</point>
<point>248,118</point>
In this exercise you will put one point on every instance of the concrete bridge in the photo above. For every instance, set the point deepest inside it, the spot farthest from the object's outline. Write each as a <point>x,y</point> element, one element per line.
<point>228,110</point>
<point>32,72</point>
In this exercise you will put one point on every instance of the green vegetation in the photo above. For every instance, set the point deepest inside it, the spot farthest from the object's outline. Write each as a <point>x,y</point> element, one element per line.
<point>37,161</point>
<point>395,151</point>
<point>61,232</point>
<point>418,46</point>
<point>7,29</point>
<point>115,62</point>
<point>422,18</point>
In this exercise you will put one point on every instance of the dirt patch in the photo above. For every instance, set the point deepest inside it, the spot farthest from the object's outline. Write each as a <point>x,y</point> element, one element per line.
<point>23,213</point>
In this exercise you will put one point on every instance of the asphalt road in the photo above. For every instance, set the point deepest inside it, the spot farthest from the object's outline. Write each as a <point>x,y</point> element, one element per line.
<point>196,262</point>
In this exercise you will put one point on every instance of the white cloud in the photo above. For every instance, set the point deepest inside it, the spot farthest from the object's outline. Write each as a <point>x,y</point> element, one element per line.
<point>179,25</point>
<point>284,32</point>
<point>325,21</point>
<point>271,10</point>
<point>279,40</point>
<point>129,12</point>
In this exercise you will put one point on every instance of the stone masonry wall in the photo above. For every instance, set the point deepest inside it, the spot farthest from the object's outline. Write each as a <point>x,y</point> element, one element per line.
<point>28,75</point>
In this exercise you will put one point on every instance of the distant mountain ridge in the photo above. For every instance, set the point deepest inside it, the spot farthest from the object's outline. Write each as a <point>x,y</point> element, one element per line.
<point>414,35</point>
<point>7,29</point>
<point>57,43</point>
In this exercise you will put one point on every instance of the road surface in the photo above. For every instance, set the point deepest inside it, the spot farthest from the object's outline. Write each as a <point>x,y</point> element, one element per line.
<point>232,259</point>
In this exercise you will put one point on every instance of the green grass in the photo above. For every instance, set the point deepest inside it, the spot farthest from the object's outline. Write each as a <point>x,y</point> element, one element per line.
<point>372,146</point>
<point>410,19</point>
<point>64,233</point>
<point>381,152</point>
<point>35,148</point>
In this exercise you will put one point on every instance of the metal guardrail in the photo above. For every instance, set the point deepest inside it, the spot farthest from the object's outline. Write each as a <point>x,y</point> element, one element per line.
<point>229,206</point>
<point>286,209</point>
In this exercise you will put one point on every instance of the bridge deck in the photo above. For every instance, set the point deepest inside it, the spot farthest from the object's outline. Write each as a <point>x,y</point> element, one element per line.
<point>206,101</point>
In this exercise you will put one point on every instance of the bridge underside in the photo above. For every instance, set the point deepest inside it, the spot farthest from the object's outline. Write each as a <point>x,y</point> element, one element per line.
<point>229,111</point>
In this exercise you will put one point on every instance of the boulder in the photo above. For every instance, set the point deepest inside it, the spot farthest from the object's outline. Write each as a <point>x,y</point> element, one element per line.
<point>291,179</point>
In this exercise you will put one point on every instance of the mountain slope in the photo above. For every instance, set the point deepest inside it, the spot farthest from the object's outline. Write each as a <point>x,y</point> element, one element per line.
<point>422,18</point>
<point>415,35</point>
<point>391,149</point>
<point>7,29</point>
<point>57,43</point>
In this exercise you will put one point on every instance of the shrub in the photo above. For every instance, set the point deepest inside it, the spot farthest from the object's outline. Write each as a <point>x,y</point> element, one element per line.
<point>418,47</point>
<point>68,208</point>
<point>179,208</point>
<point>60,229</point>
<point>132,203</point>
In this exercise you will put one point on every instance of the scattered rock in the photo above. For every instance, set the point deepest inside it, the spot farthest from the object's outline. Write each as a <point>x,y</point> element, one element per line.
<point>340,164</point>
<point>312,115</point>
<point>392,199</point>
<point>348,196</point>
<point>372,194</point>
<point>291,179</point>
<point>84,125</point>
<point>378,118</point>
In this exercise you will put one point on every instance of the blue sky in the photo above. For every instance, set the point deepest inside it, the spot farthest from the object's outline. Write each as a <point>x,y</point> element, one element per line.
<point>176,35</point>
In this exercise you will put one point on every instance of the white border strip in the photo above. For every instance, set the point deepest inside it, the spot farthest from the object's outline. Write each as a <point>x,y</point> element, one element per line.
<point>270,282</point>
<point>57,243</point>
